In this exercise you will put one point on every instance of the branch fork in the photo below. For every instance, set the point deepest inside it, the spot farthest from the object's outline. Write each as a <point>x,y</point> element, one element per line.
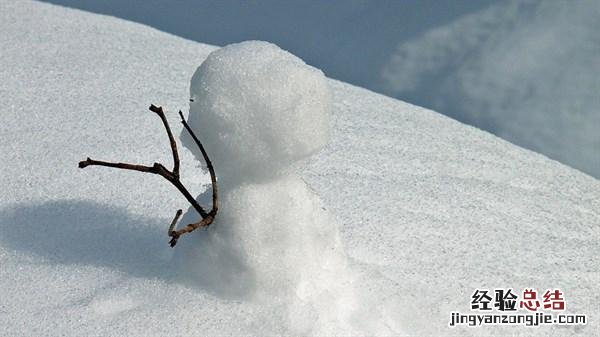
<point>173,177</point>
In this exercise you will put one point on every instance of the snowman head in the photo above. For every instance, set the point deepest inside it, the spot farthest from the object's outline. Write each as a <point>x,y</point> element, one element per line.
<point>257,109</point>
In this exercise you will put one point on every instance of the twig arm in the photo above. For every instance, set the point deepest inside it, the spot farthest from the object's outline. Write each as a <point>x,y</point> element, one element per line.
<point>125,166</point>
<point>159,111</point>
<point>209,165</point>
<point>173,178</point>
<point>177,183</point>
<point>189,228</point>
<point>156,169</point>
<point>174,222</point>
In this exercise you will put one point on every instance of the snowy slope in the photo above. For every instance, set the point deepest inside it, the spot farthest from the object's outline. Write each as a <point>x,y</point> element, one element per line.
<point>430,209</point>
<point>491,64</point>
<point>499,68</point>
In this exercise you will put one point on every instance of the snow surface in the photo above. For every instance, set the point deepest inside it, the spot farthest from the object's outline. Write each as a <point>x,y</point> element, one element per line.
<point>428,208</point>
<point>526,71</point>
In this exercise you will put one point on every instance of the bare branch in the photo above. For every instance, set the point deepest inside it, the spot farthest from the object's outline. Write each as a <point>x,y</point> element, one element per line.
<point>174,222</point>
<point>161,114</point>
<point>211,170</point>
<point>190,228</point>
<point>134,167</point>
<point>173,178</point>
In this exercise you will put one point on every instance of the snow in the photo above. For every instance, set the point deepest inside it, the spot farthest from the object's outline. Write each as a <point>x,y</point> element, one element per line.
<point>427,208</point>
<point>523,70</point>
<point>259,109</point>
<point>274,243</point>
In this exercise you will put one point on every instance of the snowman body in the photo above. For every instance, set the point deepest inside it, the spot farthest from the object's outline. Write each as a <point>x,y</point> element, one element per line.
<point>259,110</point>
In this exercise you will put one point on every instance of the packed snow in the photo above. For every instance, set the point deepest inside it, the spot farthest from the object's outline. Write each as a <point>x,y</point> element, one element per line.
<point>385,231</point>
<point>259,108</point>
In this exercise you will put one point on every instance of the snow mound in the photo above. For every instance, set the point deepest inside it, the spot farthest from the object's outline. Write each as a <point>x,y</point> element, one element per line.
<point>276,244</point>
<point>266,236</point>
<point>272,240</point>
<point>255,98</point>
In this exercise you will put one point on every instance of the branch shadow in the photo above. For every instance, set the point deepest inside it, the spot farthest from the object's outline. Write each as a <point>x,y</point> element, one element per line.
<point>87,233</point>
<point>75,232</point>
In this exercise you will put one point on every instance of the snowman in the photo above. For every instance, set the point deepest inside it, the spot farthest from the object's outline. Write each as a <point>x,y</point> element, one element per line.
<point>260,111</point>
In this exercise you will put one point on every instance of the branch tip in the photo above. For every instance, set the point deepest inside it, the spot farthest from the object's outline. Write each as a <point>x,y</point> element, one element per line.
<point>154,108</point>
<point>174,222</point>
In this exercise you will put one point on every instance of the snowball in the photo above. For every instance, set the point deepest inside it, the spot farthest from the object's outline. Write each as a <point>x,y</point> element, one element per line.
<point>257,109</point>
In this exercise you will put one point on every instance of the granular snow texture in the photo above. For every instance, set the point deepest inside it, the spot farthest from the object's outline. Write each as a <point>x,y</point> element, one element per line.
<point>259,109</point>
<point>428,208</point>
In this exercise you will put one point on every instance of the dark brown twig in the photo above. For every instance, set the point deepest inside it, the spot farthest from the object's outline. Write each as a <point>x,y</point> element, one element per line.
<point>161,114</point>
<point>174,222</point>
<point>211,170</point>
<point>173,178</point>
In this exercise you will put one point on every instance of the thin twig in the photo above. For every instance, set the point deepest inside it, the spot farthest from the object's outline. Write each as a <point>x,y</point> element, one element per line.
<point>190,228</point>
<point>211,170</point>
<point>161,114</point>
<point>141,168</point>
<point>174,222</point>
<point>173,178</point>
